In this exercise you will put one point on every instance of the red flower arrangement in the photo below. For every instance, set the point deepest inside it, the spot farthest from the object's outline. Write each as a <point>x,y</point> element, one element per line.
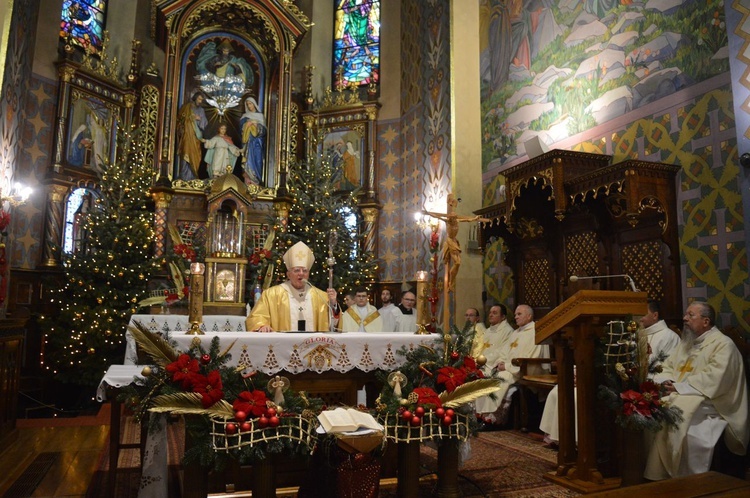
<point>636,400</point>
<point>259,256</point>
<point>4,220</point>
<point>185,251</point>
<point>251,402</point>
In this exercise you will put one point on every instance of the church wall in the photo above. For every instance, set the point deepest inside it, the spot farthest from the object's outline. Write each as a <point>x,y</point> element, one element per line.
<point>18,162</point>
<point>649,92</point>
<point>414,150</point>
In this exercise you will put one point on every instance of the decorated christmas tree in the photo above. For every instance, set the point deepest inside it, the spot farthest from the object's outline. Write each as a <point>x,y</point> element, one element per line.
<point>326,220</point>
<point>107,276</point>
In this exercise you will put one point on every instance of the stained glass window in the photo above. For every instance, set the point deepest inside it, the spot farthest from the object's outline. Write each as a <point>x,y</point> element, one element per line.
<point>356,42</point>
<point>83,21</point>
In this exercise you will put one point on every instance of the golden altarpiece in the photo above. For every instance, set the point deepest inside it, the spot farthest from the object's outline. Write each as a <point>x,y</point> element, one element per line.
<point>223,102</point>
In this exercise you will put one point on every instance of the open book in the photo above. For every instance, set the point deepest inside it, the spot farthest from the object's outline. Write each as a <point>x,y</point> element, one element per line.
<point>348,420</point>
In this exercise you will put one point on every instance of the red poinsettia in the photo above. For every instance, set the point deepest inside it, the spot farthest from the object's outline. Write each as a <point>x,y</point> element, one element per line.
<point>251,402</point>
<point>185,251</point>
<point>183,370</point>
<point>427,397</point>
<point>470,368</point>
<point>643,402</point>
<point>209,387</point>
<point>451,378</point>
<point>4,220</point>
<point>259,256</point>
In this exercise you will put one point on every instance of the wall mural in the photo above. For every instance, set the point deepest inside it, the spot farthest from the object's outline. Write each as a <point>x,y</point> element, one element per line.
<point>221,123</point>
<point>628,62</point>
<point>553,69</point>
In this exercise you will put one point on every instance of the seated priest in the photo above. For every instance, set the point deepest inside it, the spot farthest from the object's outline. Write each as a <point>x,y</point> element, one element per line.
<point>362,316</point>
<point>520,344</point>
<point>704,377</point>
<point>490,341</point>
<point>295,305</point>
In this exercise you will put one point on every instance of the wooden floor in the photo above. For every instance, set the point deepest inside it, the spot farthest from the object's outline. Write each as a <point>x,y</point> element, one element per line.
<point>79,442</point>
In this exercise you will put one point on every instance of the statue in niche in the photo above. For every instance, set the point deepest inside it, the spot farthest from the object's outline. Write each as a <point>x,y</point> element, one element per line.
<point>191,122</point>
<point>221,153</point>
<point>253,127</point>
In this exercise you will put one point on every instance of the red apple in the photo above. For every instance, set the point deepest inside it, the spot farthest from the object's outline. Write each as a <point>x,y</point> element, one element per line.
<point>440,412</point>
<point>240,416</point>
<point>231,428</point>
<point>415,421</point>
<point>246,427</point>
<point>419,411</point>
<point>270,412</point>
<point>406,415</point>
<point>447,420</point>
<point>450,412</point>
<point>262,422</point>
<point>274,421</point>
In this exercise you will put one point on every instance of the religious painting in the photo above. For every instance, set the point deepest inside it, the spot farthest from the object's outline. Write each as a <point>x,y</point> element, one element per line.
<point>344,150</point>
<point>91,131</point>
<point>221,121</point>
<point>356,43</point>
<point>82,23</point>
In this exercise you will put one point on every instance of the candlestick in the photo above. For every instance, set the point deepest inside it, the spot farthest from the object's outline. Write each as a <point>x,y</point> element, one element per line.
<point>422,313</point>
<point>195,305</point>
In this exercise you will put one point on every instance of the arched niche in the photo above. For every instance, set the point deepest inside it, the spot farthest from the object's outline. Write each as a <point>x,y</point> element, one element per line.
<point>260,38</point>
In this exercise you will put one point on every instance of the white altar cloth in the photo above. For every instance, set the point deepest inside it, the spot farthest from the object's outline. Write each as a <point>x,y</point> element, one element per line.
<point>268,352</point>
<point>118,376</point>
<point>272,352</point>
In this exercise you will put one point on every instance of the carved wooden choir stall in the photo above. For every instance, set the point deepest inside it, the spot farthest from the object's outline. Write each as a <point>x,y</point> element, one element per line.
<point>572,214</point>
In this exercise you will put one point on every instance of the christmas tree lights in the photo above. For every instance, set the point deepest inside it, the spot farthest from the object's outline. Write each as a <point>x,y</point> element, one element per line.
<point>107,277</point>
<point>317,212</point>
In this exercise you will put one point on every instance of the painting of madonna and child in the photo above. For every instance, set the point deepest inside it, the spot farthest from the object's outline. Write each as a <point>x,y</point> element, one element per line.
<point>221,124</point>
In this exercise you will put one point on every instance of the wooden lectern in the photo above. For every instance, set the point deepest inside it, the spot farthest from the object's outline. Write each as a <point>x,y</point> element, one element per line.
<point>572,327</point>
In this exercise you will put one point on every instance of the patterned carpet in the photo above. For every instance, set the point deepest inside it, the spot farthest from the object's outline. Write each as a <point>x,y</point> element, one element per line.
<point>502,463</point>
<point>499,464</point>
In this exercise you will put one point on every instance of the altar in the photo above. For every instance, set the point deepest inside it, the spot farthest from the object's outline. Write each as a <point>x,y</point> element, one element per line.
<point>331,366</point>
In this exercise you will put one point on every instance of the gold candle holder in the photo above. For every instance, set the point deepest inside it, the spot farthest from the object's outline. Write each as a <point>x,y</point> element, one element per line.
<point>196,298</point>
<point>422,312</point>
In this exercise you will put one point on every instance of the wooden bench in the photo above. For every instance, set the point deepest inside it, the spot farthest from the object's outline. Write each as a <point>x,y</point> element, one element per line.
<point>705,484</point>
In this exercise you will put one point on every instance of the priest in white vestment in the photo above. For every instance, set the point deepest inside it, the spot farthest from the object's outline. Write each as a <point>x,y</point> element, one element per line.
<point>705,377</point>
<point>362,316</point>
<point>474,323</point>
<point>386,311</point>
<point>490,342</point>
<point>520,344</point>
<point>295,305</point>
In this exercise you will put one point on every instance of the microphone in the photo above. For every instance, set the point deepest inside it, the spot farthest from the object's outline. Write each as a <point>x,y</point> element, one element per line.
<point>576,278</point>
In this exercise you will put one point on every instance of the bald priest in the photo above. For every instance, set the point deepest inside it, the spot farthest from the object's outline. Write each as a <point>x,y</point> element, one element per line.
<point>295,305</point>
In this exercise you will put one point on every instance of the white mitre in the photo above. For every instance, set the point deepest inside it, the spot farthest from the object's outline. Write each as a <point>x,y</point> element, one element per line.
<point>299,255</point>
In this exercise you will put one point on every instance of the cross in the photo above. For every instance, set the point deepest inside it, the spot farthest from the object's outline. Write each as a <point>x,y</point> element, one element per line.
<point>452,248</point>
<point>301,309</point>
<point>686,368</point>
<point>514,344</point>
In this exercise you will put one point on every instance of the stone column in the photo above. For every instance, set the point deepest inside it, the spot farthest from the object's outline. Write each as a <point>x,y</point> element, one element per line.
<point>54,224</point>
<point>466,141</point>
